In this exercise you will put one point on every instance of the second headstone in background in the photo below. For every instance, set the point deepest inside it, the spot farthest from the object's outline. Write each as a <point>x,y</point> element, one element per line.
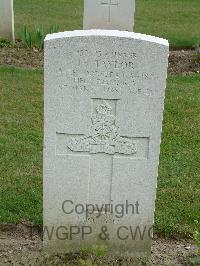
<point>109,14</point>
<point>7,20</point>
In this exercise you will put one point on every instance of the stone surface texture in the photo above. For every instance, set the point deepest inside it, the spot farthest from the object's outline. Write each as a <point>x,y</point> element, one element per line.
<point>109,14</point>
<point>7,20</point>
<point>104,100</point>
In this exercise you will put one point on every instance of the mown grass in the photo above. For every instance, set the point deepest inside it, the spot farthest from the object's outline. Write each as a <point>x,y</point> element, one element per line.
<point>176,20</point>
<point>21,103</point>
<point>21,126</point>
<point>178,204</point>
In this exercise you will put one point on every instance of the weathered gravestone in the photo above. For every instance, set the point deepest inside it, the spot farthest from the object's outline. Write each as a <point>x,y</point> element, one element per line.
<point>6,19</point>
<point>109,14</point>
<point>104,97</point>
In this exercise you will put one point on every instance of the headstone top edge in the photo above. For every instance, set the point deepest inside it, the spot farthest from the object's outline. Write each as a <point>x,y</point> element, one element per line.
<point>107,33</point>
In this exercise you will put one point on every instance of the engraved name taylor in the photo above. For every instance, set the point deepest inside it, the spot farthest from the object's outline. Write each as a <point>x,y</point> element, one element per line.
<point>114,71</point>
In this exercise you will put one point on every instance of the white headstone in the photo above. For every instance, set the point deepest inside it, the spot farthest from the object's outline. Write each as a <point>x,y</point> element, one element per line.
<point>104,100</point>
<point>109,14</point>
<point>7,20</point>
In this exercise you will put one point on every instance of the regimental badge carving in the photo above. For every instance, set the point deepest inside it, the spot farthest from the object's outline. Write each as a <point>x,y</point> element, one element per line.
<point>103,136</point>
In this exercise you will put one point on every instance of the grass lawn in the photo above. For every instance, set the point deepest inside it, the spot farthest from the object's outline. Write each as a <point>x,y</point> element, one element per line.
<point>176,20</point>
<point>21,97</point>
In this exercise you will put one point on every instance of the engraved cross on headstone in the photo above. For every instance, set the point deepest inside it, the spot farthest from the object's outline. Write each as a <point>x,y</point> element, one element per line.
<point>110,4</point>
<point>102,144</point>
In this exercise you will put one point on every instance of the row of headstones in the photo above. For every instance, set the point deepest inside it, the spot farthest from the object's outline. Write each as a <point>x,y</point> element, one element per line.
<point>99,14</point>
<point>104,100</point>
